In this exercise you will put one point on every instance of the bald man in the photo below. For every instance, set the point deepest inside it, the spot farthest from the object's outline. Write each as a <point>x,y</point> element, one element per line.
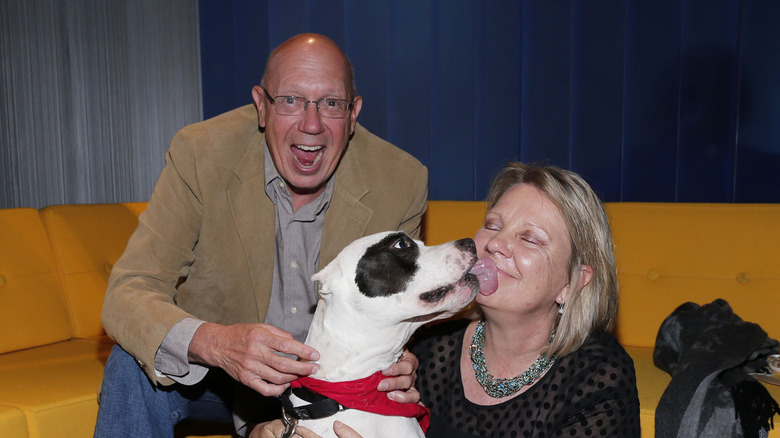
<point>214,286</point>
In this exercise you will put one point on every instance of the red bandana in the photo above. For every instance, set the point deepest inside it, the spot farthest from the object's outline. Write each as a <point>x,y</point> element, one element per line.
<point>362,394</point>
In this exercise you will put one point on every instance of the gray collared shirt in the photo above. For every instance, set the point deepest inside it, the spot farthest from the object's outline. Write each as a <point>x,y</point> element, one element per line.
<point>298,239</point>
<point>293,295</point>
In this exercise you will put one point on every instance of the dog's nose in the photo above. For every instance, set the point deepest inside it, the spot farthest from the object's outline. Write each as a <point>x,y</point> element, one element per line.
<point>466,244</point>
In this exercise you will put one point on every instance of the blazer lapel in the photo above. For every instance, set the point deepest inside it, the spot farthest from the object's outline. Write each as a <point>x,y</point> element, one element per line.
<point>253,214</point>
<point>347,217</point>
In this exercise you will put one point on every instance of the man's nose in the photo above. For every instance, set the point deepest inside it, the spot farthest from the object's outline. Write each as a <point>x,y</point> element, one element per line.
<point>311,122</point>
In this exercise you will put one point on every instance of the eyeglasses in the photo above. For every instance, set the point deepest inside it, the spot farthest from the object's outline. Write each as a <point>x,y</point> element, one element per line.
<point>295,106</point>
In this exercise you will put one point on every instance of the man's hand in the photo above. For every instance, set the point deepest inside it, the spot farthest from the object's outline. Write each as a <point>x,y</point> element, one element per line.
<point>247,352</point>
<point>401,377</point>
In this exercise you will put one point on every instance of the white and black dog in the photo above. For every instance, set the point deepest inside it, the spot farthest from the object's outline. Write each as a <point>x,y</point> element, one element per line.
<point>373,296</point>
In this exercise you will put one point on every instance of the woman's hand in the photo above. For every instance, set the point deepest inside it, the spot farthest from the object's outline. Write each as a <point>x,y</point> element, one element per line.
<point>344,431</point>
<point>271,429</point>
<point>274,429</point>
<point>401,377</point>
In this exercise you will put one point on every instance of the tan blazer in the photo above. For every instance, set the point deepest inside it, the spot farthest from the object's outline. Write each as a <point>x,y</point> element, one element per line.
<point>209,228</point>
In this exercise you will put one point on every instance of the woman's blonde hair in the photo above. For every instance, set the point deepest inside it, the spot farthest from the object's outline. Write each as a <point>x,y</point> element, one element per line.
<point>594,307</point>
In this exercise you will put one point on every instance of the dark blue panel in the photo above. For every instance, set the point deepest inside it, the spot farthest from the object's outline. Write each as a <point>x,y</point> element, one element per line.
<point>367,49</point>
<point>641,97</point>
<point>451,157</point>
<point>546,83</point>
<point>597,95</point>
<point>328,19</point>
<point>708,95</point>
<point>497,90</point>
<point>285,19</point>
<point>651,100</point>
<point>408,71</point>
<point>251,48</point>
<point>217,65</point>
<point>758,153</point>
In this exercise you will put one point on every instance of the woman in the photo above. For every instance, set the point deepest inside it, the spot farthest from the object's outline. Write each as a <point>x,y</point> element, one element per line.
<point>538,360</point>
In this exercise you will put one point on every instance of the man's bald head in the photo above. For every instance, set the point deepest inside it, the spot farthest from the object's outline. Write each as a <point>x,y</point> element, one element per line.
<point>310,46</point>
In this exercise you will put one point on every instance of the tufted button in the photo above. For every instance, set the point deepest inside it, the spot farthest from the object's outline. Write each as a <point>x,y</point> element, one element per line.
<point>742,278</point>
<point>108,267</point>
<point>653,274</point>
<point>3,281</point>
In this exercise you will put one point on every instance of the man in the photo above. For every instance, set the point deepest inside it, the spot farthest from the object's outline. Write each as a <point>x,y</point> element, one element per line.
<point>217,275</point>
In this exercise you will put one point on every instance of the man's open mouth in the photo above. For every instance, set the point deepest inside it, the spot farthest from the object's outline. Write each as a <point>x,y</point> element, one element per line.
<point>307,156</point>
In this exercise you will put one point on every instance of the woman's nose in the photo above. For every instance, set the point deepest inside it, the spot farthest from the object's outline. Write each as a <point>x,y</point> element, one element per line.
<point>497,245</point>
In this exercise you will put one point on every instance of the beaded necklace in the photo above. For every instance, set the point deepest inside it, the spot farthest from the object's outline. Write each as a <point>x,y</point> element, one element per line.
<point>499,388</point>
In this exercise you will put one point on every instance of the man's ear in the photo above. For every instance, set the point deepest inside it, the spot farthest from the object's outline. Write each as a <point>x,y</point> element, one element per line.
<point>260,104</point>
<point>357,105</point>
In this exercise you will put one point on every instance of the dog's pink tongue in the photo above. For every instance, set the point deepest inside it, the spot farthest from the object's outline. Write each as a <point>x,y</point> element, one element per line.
<point>485,270</point>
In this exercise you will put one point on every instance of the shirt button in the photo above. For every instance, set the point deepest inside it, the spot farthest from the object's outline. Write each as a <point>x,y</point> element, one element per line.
<point>293,264</point>
<point>281,184</point>
<point>293,309</point>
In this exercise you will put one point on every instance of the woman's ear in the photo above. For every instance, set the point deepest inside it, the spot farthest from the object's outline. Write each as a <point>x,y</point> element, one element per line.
<point>563,295</point>
<point>586,274</point>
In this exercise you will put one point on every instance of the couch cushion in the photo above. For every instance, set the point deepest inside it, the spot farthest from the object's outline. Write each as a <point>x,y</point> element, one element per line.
<point>445,221</point>
<point>651,383</point>
<point>12,422</point>
<point>87,240</point>
<point>56,385</point>
<point>58,352</point>
<point>668,254</point>
<point>32,306</point>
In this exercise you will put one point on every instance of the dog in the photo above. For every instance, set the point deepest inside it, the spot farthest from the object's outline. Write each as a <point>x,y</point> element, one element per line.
<point>373,296</point>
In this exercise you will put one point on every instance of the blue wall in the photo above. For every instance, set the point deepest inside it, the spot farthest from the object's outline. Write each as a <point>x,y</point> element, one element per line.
<point>662,100</point>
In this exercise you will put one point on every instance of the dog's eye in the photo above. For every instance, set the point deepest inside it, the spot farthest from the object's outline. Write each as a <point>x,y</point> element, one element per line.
<point>401,244</point>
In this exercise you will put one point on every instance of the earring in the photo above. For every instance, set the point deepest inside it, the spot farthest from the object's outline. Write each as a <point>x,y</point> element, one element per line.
<point>560,309</point>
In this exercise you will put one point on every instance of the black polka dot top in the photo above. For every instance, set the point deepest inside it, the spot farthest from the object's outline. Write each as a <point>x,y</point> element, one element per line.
<point>589,393</point>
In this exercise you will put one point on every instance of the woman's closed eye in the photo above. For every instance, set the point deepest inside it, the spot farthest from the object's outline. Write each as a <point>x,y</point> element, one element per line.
<point>492,224</point>
<point>532,238</point>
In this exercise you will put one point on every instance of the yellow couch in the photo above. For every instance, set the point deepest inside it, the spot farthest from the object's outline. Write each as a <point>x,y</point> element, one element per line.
<point>54,265</point>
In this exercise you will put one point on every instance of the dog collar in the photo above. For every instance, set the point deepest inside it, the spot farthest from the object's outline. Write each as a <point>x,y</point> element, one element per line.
<point>358,394</point>
<point>319,406</point>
